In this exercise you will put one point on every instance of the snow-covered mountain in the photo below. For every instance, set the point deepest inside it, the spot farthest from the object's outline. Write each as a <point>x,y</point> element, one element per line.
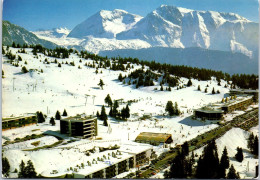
<point>171,26</point>
<point>53,33</point>
<point>105,24</point>
<point>14,33</point>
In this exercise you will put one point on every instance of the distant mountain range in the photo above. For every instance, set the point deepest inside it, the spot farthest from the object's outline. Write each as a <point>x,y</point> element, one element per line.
<point>118,32</point>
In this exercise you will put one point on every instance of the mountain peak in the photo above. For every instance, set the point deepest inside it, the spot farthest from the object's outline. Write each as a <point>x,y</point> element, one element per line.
<point>105,24</point>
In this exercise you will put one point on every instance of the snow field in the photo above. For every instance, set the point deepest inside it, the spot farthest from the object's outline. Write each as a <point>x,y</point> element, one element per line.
<point>67,87</point>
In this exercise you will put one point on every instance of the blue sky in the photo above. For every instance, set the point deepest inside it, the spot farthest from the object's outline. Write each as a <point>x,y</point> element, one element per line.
<point>47,14</point>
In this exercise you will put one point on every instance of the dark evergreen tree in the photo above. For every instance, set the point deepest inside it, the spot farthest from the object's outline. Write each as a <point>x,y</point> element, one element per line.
<point>57,115</point>
<point>103,115</point>
<point>101,83</point>
<point>255,149</point>
<point>22,173</point>
<point>120,77</point>
<point>189,83</point>
<point>185,148</point>
<point>169,108</point>
<point>176,109</point>
<point>198,87</point>
<point>59,65</point>
<point>206,90</point>
<point>239,155</point>
<point>5,167</point>
<point>111,112</point>
<point>213,91</point>
<point>105,122</point>
<point>24,70</point>
<point>127,111</point>
<point>98,115</point>
<point>224,161</point>
<point>52,121</point>
<point>250,141</point>
<point>232,174</point>
<point>40,117</point>
<point>208,163</point>
<point>64,113</point>
<point>178,168</point>
<point>161,89</point>
<point>224,164</point>
<point>114,109</point>
<point>30,170</point>
<point>108,100</point>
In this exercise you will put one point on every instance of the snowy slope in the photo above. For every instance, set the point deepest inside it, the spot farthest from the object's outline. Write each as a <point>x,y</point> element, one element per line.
<point>66,87</point>
<point>105,24</point>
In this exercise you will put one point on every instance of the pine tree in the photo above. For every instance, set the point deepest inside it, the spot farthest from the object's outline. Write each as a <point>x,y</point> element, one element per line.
<point>239,155</point>
<point>21,173</point>
<point>169,108</point>
<point>250,141</point>
<point>57,115</point>
<point>206,90</point>
<point>59,65</point>
<point>103,115</point>
<point>52,121</point>
<point>178,168</point>
<point>224,161</point>
<point>232,174</point>
<point>30,170</point>
<point>40,117</point>
<point>185,148</point>
<point>114,109</point>
<point>120,77</point>
<point>208,163</point>
<point>213,91</point>
<point>98,115</point>
<point>189,83</point>
<point>127,111</point>
<point>176,109</point>
<point>108,100</point>
<point>5,167</point>
<point>224,164</point>
<point>255,149</point>
<point>198,87</point>
<point>24,70</point>
<point>64,113</point>
<point>161,89</point>
<point>101,83</point>
<point>105,122</point>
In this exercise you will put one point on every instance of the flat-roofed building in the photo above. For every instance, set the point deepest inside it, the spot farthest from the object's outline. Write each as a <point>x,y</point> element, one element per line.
<point>106,164</point>
<point>79,126</point>
<point>20,121</point>
<point>208,113</point>
<point>154,138</point>
<point>245,91</point>
<point>240,103</point>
